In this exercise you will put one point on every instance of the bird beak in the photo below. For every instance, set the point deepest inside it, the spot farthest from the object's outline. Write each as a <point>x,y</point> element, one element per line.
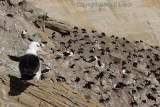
<point>42,52</point>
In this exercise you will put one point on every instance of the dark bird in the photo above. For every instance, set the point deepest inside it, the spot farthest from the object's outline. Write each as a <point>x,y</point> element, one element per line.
<point>127,41</point>
<point>156,47</point>
<point>116,48</point>
<point>70,41</point>
<point>75,27</point>
<point>93,58</point>
<point>147,83</point>
<point>89,85</point>
<point>62,43</point>
<point>136,42</point>
<point>86,36</point>
<point>92,50</point>
<point>120,85</point>
<point>68,53</point>
<point>61,79</point>
<point>83,30</point>
<point>72,66</point>
<point>93,31</point>
<point>113,42</point>
<point>100,64</point>
<point>112,36</point>
<point>123,45</point>
<point>151,97</point>
<point>108,49</point>
<point>111,76</point>
<point>135,63</point>
<point>116,38</point>
<point>102,42</point>
<point>100,75</point>
<point>9,15</point>
<point>103,34</point>
<point>123,63</point>
<point>141,41</point>
<point>77,79</point>
<point>58,57</point>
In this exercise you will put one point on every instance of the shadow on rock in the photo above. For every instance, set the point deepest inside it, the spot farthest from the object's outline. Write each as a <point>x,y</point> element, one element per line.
<point>17,86</point>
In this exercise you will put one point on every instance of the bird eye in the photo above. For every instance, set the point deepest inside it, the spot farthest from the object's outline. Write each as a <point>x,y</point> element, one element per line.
<point>38,46</point>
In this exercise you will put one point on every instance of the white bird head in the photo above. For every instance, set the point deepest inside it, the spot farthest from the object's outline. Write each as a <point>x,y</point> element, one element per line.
<point>24,32</point>
<point>33,48</point>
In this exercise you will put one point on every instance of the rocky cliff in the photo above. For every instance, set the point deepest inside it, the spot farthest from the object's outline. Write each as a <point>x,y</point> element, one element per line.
<point>106,71</point>
<point>14,94</point>
<point>15,17</point>
<point>136,20</point>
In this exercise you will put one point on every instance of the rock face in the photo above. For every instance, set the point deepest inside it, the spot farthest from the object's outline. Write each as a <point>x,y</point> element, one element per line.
<point>14,2</point>
<point>28,5</point>
<point>136,20</point>
<point>110,70</point>
<point>14,94</point>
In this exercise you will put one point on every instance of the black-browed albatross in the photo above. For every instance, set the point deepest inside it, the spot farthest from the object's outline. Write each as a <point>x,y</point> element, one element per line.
<point>30,64</point>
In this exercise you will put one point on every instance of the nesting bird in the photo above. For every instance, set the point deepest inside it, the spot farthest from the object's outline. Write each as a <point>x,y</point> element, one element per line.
<point>46,73</point>
<point>93,58</point>
<point>30,64</point>
<point>101,64</point>
<point>24,33</point>
<point>135,64</point>
<point>68,53</point>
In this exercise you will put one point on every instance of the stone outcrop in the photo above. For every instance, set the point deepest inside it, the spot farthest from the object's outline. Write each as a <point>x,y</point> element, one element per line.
<point>28,5</point>
<point>13,93</point>
<point>14,2</point>
<point>59,27</point>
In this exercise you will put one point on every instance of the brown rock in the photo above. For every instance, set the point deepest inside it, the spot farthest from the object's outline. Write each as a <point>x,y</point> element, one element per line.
<point>11,105</point>
<point>52,94</point>
<point>103,82</point>
<point>105,96</point>
<point>61,28</point>
<point>28,15</point>
<point>96,89</point>
<point>39,14</point>
<point>28,5</point>
<point>14,2</point>
<point>142,69</point>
